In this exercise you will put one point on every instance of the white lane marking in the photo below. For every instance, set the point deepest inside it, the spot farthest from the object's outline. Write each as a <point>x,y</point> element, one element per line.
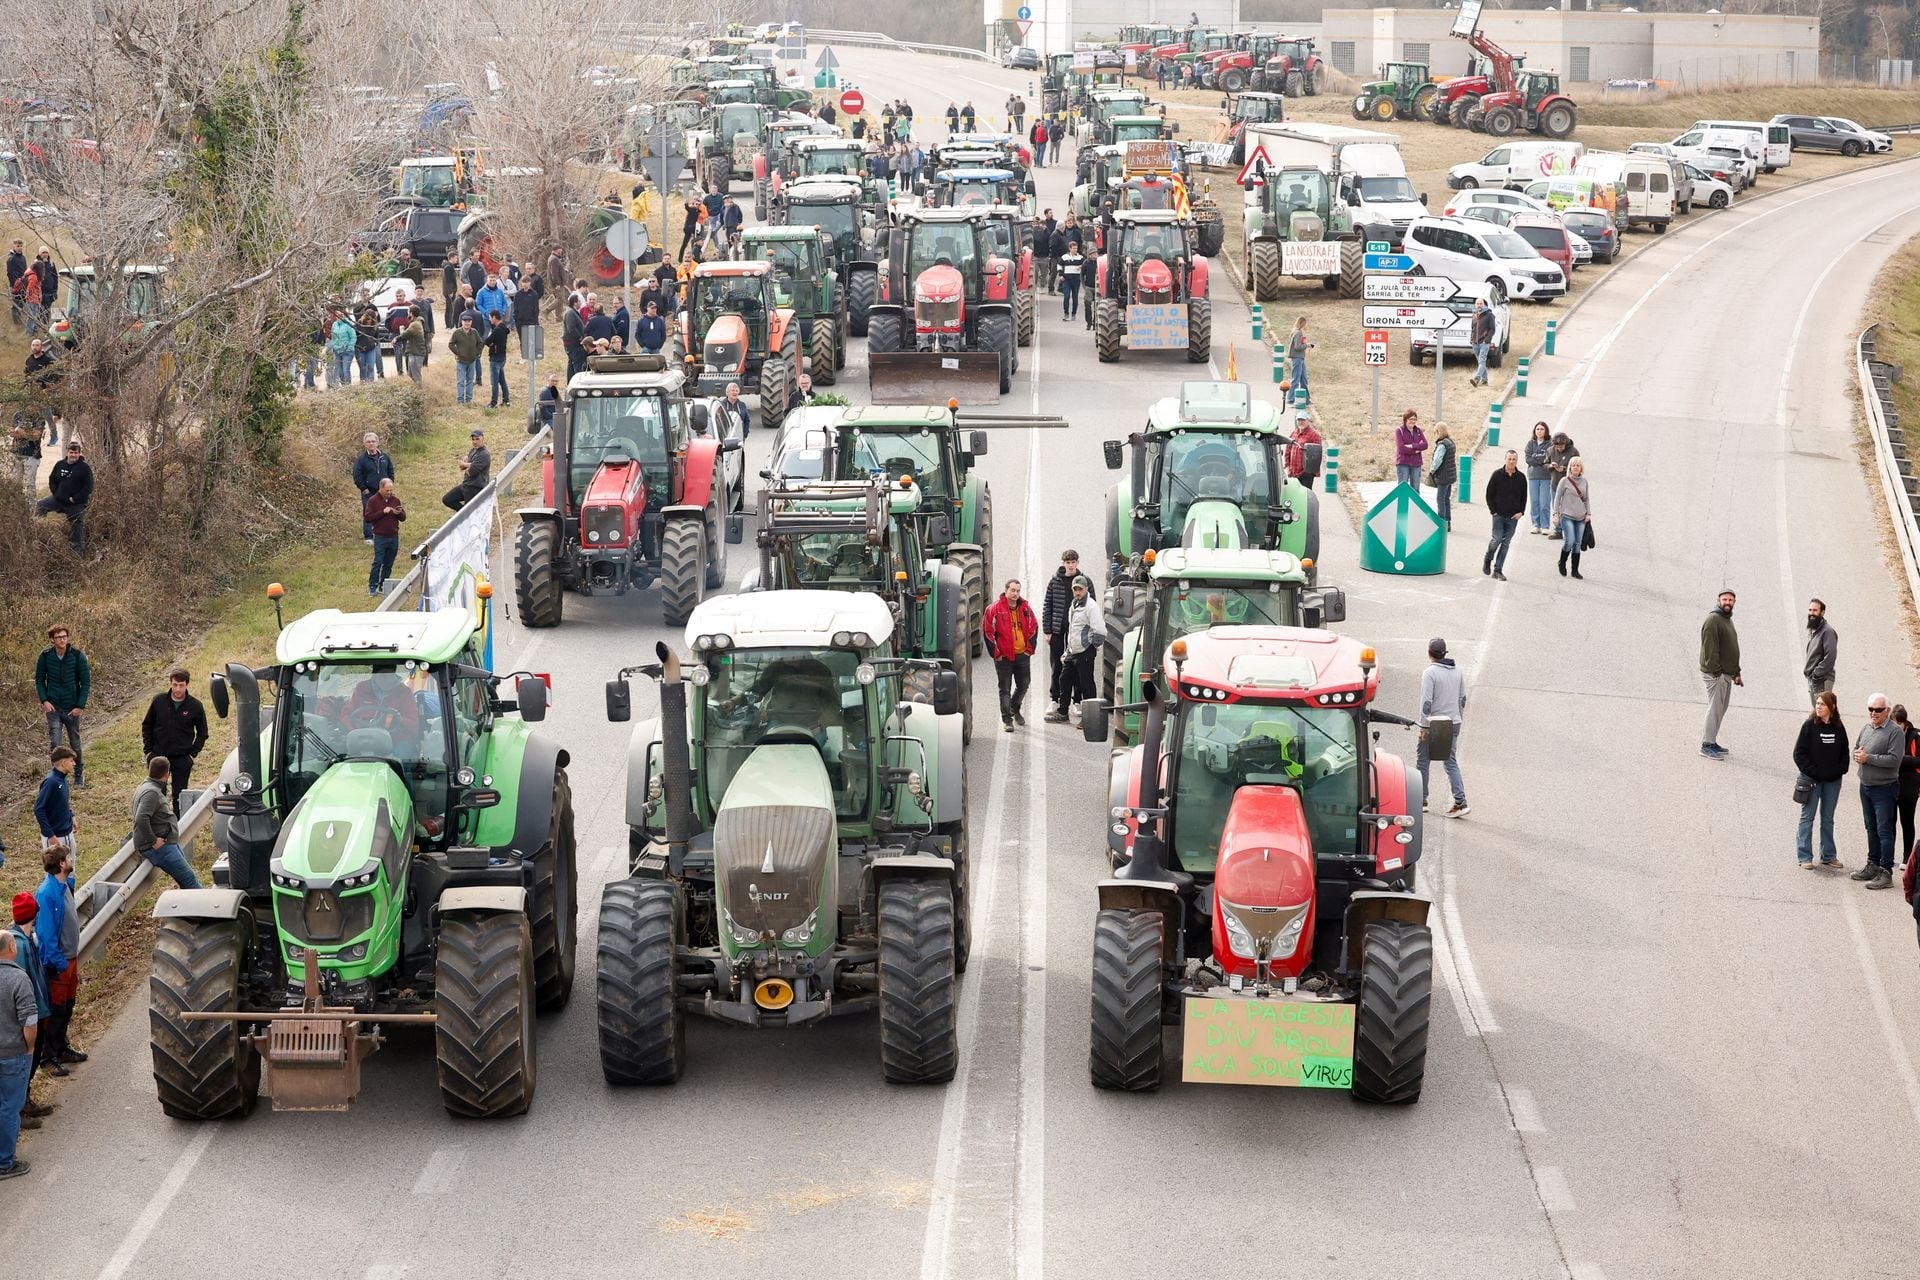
<point>1585,1271</point>
<point>1883,1008</point>
<point>1476,995</point>
<point>1551,1182</point>
<point>1525,1112</point>
<point>1031,1167</point>
<point>438,1175</point>
<point>936,1251</point>
<point>158,1204</point>
<point>1443,961</point>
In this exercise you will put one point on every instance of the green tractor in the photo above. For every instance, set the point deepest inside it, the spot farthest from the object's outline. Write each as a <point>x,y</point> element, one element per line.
<point>867,535</point>
<point>396,847</point>
<point>843,208</point>
<point>1404,92</point>
<point>724,148</point>
<point>802,258</point>
<point>798,840</point>
<point>1161,596</point>
<point>1298,206</point>
<point>1209,471</point>
<point>767,88</point>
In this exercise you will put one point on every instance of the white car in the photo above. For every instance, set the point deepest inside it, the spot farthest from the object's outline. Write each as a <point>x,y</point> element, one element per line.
<point>800,447</point>
<point>1709,190</point>
<point>1582,251</point>
<point>1880,142</point>
<point>1720,146</point>
<point>386,292</point>
<point>1422,343</point>
<point>1472,251</point>
<point>1500,215</point>
<point>1518,201</point>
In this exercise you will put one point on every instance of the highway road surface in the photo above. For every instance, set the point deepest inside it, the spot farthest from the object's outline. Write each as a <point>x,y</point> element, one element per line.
<point>1658,1048</point>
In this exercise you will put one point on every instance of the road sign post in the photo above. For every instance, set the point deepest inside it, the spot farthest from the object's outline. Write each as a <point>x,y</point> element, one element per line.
<point>1398,264</point>
<point>1403,535</point>
<point>1439,372</point>
<point>1373,345</point>
<point>1416,289</point>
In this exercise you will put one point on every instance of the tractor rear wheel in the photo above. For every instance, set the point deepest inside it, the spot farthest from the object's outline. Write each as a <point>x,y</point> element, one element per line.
<point>1462,107</point>
<point>760,199</point>
<point>554,903</point>
<point>996,335</point>
<point>1209,235</point>
<point>1263,270</point>
<point>1296,84</point>
<point>483,994</point>
<point>820,352</point>
<point>1199,330</point>
<point>862,288</point>
<point>883,333</point>
<point>643,1033</point>
<point>972,563</point>
<point>1353,275</point>
<point>1023,317</point>
<point>1390,1027</point>
<point>680,569</point>
<point>919,1042</point>
<point>1557,120</point>
<point>775,378</point>
<point>537,589</point>
<point>1107,332</point>
<point>203,1070</point>
<point>1126,1001</point>
<point>1423,100</point>
<point>962,926</point>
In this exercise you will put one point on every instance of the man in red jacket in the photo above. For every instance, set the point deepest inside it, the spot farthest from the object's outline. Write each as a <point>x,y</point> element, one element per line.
<point>1011,631</point>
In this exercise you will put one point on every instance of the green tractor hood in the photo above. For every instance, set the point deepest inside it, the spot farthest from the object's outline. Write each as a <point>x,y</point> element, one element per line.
<point>776,850</point>
<point>339,869</point>
<point>1215,524</point>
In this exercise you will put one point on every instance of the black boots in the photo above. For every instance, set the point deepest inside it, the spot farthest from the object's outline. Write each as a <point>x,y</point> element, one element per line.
<point>1576,563</point>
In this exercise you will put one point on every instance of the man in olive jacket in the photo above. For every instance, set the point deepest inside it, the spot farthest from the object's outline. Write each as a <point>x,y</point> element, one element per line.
<point>1719,670</point>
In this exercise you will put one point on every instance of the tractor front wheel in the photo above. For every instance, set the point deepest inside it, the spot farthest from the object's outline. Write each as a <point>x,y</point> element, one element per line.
<point>1263,270</point>
<point>1500,122</point>
<point>820,352</point>
<point>203,1070</point>
<point>1126,1001</point>
<point>997,335</point>
<point>883,333</point>
<point>1384,109</point>
<point>1462,108</point>
<point>1199,330</point>
<point>643,1033</point>
<point>1390,1027</point>
<point>1233,81</point>
<point>1023,317</point>
<point>1107,331</point>
<point>484,996</point>
<point>1296,84</point>
<point>919,1041</point>
<point>537,588</point>
<point>862,288</point>
<point>1353,275</point>
<point>680,569</point>
<point>1122,615</point>
<point>555,903</point>
<point>774,382</point>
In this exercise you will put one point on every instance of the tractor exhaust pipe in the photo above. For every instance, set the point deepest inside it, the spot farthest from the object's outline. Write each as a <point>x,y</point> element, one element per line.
<point>1149,861</point>
<point>676,759</point>
<point>246,706</point>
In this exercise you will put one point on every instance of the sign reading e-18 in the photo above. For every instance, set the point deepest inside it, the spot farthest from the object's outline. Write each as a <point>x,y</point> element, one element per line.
<point>1409,289</point>
<point>1426,316</point>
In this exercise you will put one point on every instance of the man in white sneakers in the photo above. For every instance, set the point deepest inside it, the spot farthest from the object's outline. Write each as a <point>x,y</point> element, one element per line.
<point>1443,695</point>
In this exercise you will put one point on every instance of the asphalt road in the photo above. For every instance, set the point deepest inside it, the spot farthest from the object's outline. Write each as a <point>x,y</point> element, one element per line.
<point>1658,1048</point>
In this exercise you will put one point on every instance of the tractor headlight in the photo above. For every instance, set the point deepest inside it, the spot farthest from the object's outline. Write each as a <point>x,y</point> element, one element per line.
<point>1241,939</point>
<point>744,936</point>
<point>243,782</point>
<point>802,933</point>
<point>1237,936</point>
<point>865,673</point>
<point>1288,939</point>
<point>362,878</point>
<point>916,785</point>
<point>655,789</point>
<point>698,675</point>
<point>464,777</point>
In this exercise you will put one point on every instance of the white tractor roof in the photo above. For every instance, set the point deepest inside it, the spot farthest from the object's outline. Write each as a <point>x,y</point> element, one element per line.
<point>790,619</point>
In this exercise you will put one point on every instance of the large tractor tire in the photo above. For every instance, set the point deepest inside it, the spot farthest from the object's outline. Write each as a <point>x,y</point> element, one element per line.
<point>1390,1027</point>
<point>1423,99</point>
<point>1360,107</point>
<point>776,382</point>
<point>1462,108</point>
<point>919,1040</point>
<point>1125,1052</point>
<point>983,533</point>
<point>862,288</point>
<point>1501,122</point>
<point>643,1033</point>
<point>1296,85</point>
<point>1108,334</point>
<point>716,532</point>
<point>554,904</point>
<point>1023,317</point>
<point>681,571</point>
<point>1558,120</point>
<point>972,563</point>
<point>537,589</point>
<point>1316,81</point>
<point>820,352</point>
<point>760,199</point>
<point>1263,270</point>
<point>1233,80</point>
<point>719,174</point>
<point>1210,234</point>
<point>1125,603</point>
<point>1353,262</point>
<point>1383,109</point>
<point>883,333</point>
<point>997,335</point>
<point>1199,330</point>
<point>203,1070</point>
<point>484,996</point>
<point>962,884</point>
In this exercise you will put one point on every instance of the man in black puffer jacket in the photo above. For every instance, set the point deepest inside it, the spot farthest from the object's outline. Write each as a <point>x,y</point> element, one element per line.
<point>1054,607</point>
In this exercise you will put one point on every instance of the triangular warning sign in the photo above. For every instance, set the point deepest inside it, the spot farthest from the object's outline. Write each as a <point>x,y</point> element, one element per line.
<point>1256,158</point>
<point>1023,28</point>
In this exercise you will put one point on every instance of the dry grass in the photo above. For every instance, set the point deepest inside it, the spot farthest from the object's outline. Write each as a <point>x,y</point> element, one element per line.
<point>724,1223</point>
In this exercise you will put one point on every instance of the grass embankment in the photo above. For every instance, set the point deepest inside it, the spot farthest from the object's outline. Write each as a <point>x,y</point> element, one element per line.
<point>1895,306</point>
<point>1342,385</point>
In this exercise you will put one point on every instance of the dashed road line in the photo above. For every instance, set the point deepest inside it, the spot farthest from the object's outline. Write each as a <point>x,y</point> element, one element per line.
<point>158,1204</point>
<point>441,1168</point>
<point>1524,1112</point>
<point>1550,1180</point>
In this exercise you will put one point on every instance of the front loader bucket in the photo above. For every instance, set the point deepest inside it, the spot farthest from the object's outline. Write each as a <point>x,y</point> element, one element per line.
<point>933,377</point>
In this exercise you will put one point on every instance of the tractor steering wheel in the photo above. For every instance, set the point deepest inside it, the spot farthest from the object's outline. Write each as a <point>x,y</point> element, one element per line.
<point>372,716</point>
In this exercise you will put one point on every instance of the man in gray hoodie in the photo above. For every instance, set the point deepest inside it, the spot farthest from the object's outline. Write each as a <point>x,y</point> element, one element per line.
<point>1877,750</point>
<point>1443,694</point>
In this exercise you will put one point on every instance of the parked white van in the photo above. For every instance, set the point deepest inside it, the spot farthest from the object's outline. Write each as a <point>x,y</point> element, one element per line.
<point>1730,146</point>
<point>1773,142</point>
<point>1644,183</point>
<point>1515,164</point>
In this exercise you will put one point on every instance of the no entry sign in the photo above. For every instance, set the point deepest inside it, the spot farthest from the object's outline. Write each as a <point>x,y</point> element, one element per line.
<point>853,102</point>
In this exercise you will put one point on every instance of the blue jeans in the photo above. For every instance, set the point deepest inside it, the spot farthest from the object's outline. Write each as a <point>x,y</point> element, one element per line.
<point>66,722</point>
<point>1407,475</point>
<point>15,1072</point>
<point>1825,798</point>
<point>369,361</point>
<point>1503,531</point>
<point>1540,501</point>
<point>1070,296</point>
<point>1454,779</point>
<point>467,377</point>
<point>1571,533</point>
<point>170,859</point>
<point>1879,806</point>
<point>342,367</point>
<point>1299,378</point>
<point>385,551</point>
<point>497,382</point>
<point>1480,354</point>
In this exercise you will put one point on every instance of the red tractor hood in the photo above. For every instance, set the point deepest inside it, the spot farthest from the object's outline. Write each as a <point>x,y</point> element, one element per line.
<point>1264,882</point>
<point>1155,277</point>
<point>939,284</point>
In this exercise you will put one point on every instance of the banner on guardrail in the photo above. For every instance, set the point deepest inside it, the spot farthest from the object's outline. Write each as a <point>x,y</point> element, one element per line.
<point>459,561</point>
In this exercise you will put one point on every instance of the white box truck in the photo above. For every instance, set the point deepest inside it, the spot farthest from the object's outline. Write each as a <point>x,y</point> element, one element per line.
<point>1364,164</point>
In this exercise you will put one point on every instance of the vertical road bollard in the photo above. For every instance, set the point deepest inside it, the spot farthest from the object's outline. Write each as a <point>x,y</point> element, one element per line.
<point>1258,325</point>
<point>1553,332</point>
<point>1520,378</point>
<point>1299,397</point>
<point>1279,365</point>
<point>1332,465</point>
<point>1493,425</point>
<point>1465,493</point>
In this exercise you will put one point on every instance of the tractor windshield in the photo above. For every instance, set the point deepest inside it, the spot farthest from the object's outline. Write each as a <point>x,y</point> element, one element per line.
<point>606,426</point>
<point>740,295</point>
<point>971,193</point>
<point>737,118</point>
<point>761,696</point>
<point>1201,466</point>
<point>1000,237</point>
<point>1136,131</point>
<point>824,160</point>
<point>1189,607</point>
<point>1299,191</point>
<point>791,259</point>
<point>843,561</point>
<point>895,454</point>
<point>1221,748</point>
<point>837,219</point>
<point>944,246</point>
<point>330,712</point>
<point>1162,242</point>
<point>434,183</point>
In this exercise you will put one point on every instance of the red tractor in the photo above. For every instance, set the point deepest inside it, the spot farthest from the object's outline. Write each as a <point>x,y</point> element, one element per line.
<point>1263,895</point>
<point>1151,290</point>
<point>1460,95</point>
<point>1012,233</point>
<point>1232,70</point>
<point>1536,105</point>
<point>943,326</point>
<point>1294,68</point>
<point>737,328</point>
<point>637,490</point>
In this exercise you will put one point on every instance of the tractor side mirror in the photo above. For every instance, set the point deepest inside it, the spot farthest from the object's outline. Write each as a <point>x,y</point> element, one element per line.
<point>698,419</point>
<point>531,691</point>
<point>1226,103</point>
<point>977,443</point>
<point>1112,451</point>
<point>1247,186</point>
<point>619,701</point>
<point>1093,719</point>
<point>217,691</point>
<point>946,693</point>
<point>1333,606</point>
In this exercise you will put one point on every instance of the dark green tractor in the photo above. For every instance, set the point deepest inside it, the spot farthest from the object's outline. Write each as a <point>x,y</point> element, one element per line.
<point>1404,91</point>
<point>843,208</point>
<point>802,257</point>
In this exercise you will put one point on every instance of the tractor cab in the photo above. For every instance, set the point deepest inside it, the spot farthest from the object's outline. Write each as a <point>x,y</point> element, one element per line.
<point>796,254</point>
<point>832,205</point>
<point>973,188</point>
<point>433,180</point>
<point>813,157</point>
<point>1300,199</point>
<point>1259,108</point>
<point>734,318</point>
<point>1536,87</point>
<point>731,92</point>
<point>1141,128</point>
<point>131,304</point>
<point>1140,238</point>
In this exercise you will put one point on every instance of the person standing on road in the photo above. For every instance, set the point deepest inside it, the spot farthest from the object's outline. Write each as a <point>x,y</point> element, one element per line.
<point>384,513</point>
<point>1086,632</point>
<point>1054,605</point>
<point>1909,779</point>
<point>735,417</point>
<point>370,466</point>
<point>953,119</point>
<point>1719,670</point>
<point>63,679</point>
<point>1820,753</point>
<point>156,831</point>
<point>1573,508</point>
<point>1443,694</point>
<point>1540,481</point>
<point>176,725</point>
<point>1297,348</point>
<point>967,117</point>
<point>1482,340</point>
<point>19,1035</point>
<point>1011,631</point>
<point>1409,446</point>
<point>1560,455</point>
<point>1306,449</point>
<point>1877,749</point>
<point>474,470</point>
<point>58,932</point>
<point>1070,265</point>
<point>1445,473</point>
<point>1043,262</point>
<point>1823,649</point>
<point>1055,132</point>
<point>1506,499</point>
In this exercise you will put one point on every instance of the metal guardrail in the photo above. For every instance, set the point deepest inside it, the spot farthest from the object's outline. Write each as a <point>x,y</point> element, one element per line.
<point>880,40</point>
<point>1899,484</point>
<point>1894,128</point>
